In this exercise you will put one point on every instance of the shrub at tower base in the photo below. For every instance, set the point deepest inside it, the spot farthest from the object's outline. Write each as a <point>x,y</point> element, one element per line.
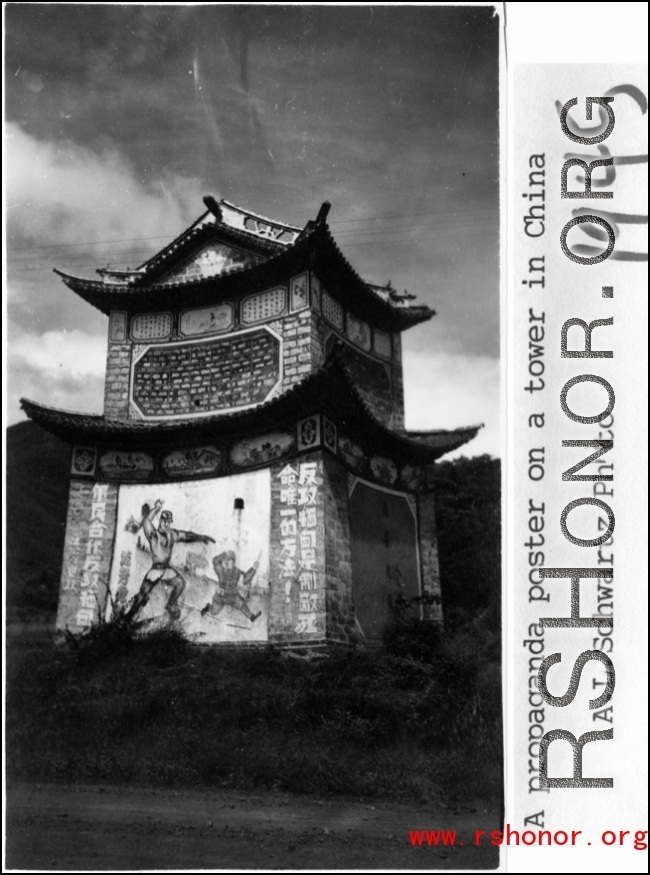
<point>150,709</point>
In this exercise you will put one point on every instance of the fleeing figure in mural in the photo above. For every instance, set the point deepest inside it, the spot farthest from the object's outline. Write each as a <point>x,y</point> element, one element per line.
<point>229,577</point>
<point>161,542</point>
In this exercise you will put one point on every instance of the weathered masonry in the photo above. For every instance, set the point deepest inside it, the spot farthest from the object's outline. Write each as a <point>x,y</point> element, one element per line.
<point>251,478</point>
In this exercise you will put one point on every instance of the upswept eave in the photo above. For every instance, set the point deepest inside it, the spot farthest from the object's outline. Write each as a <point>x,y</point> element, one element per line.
<point>331,389</point>
<point>315,250</point>
<point>445,437</point>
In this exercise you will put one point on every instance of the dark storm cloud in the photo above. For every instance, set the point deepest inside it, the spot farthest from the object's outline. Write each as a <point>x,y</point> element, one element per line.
<point>387,112</point>
<point>372,83</point>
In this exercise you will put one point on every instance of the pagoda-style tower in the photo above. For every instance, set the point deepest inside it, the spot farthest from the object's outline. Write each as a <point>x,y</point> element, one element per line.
<point>251,478</point>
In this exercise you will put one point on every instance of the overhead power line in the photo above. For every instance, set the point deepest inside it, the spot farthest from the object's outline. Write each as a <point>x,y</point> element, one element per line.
<point>414,215</point>
<point>350,234</point>
<point>345,244</point>
<point>94,243</point>
<point>173,235</point>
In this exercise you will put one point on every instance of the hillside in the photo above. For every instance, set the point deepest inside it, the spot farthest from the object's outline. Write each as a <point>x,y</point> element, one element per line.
<point>37,498</point>
<point>468,517</point>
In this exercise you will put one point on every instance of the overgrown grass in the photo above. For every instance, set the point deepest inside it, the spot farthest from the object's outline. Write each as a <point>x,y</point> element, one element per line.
<point>422,718</point>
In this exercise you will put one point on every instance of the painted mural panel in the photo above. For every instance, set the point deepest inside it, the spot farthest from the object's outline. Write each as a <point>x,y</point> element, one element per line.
<point>350,451</point>
<point>212,260</point>
<point>359,332</point>
<point>299,293</point>
<point>191,462</point>
<point>414,476</point>
<point>207,320</point>
<point>262,448</point>
<point>196,554</point>
<point>116,465</point>
<point>383,469</point>
<point>118,326</point>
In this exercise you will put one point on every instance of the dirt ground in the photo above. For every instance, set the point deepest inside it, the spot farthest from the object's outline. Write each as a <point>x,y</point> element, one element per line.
<point>76,828</point>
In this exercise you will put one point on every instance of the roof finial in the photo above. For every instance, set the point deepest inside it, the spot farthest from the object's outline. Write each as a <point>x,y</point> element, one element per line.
<point>211,203</point>
<point>323,212</point>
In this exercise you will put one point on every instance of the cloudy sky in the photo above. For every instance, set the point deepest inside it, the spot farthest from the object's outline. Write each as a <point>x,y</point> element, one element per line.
<point>120,118</point>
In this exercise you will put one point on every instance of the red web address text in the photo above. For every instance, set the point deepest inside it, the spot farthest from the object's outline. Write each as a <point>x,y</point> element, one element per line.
<point>529,837</point>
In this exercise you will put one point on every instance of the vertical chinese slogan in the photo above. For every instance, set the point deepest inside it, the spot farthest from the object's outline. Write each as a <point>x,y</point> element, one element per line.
<point>578,387</point>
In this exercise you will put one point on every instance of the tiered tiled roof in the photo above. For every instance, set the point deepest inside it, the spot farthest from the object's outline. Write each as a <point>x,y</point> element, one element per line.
<point>277,252</point>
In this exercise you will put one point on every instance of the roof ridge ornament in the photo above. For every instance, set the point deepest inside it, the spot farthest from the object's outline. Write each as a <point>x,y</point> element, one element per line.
<point>318,222</point>
<point>253,215</point>
<point>211,203</point>
<point>323,213</point>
